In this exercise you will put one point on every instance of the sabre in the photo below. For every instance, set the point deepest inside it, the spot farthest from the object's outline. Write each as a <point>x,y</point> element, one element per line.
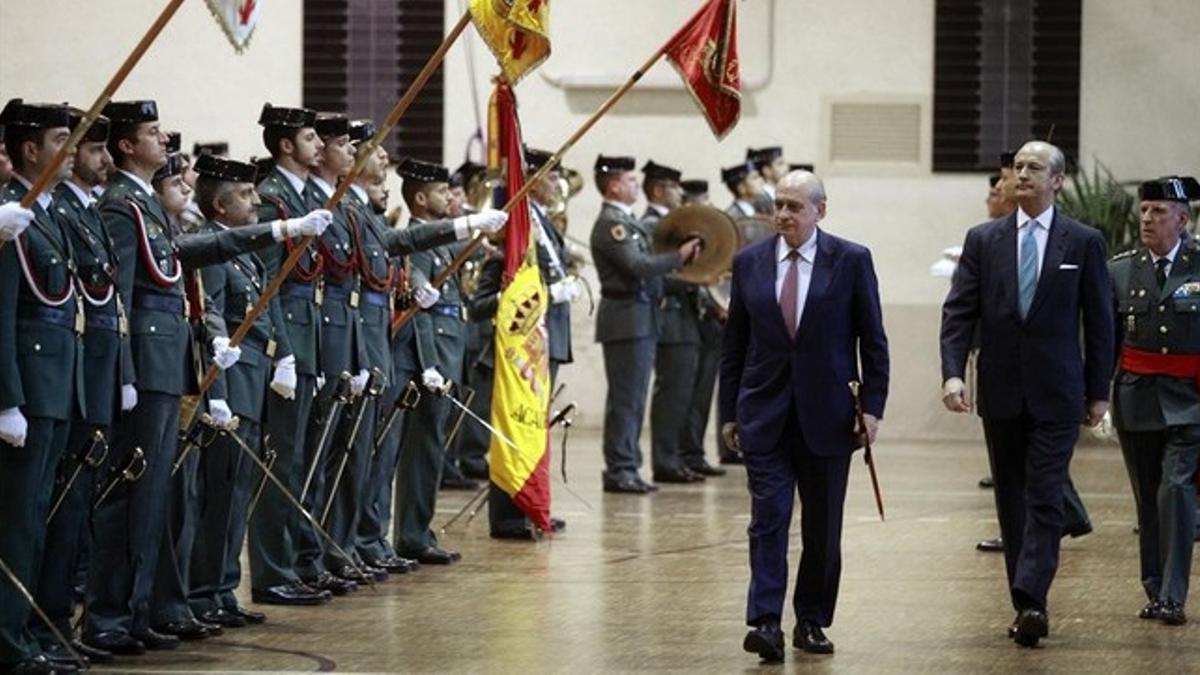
<point>295,502</point>
<point>406,401</point>
<point>867,456</point>
<point>480,494</point>
<point>88,458</point>
<point>62,640</point>
<point>132,471</point>
<point>270,455</point>
<point>495,432</point>
<point>341,396</point>
<point>195,438</point>
<point>469,398</point>
<point>373,390</point>
<point>557,390</point>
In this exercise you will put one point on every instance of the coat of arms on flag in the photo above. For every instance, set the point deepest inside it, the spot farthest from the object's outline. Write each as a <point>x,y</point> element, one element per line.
<point>237,18</point>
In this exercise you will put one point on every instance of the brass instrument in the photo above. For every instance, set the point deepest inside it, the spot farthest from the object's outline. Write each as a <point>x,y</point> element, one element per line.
<point>570,183</point>
<point>713,226</point>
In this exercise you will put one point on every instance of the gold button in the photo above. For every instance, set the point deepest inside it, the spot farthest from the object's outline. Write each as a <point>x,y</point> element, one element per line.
<point>37,347</point>
<point>1132,292</point>
<point>1141,292</point>
<point>1162,329</point>
<point>326,319</point>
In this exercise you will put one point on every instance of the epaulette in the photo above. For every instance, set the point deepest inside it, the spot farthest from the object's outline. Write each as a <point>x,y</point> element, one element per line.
<point>1123,254</point>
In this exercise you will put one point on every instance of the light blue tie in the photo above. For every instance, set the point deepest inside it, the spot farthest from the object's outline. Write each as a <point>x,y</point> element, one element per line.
<point>1027,267</point>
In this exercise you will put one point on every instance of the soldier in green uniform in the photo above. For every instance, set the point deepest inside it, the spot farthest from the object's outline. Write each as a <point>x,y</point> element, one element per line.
<point>746,186</point>
<point>626,322</point>
<point>1156,404</point>
<point>710,317</point>
<point>771,166</point>
<point>130,525</point>
<point>275,528</point>
<point>678,343</point>
<point>41,377</point>
<point>106,358</point>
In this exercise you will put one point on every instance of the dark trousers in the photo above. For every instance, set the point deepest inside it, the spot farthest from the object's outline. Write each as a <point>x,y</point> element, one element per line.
<point>347,497</point>
<point>128,528</point>
<point>65,534</point>
<point>471,443</point>
<point>310,546</point>
<point>775,475</point>
<point>275,522</point>
<point>171,580</point>
<point>627,366</point>
<point>674,384</point>
<point>26,484</point>
<point>1162,472</point>
<point>1029,461</point>
<point>418,473</point>
<point>704,386</point>
<point>371,539</point>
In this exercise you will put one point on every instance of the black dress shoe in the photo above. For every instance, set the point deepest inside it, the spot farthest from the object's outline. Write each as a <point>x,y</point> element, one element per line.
<point>294,593</point>
<point>222,617</point>
<point>363,574</point>
<point>677,476</point>
<point>731,458</point>
<point>627,486</point>
<point>1032,625</point>
<point>459,483</point>
<point>156,641</point>
<point>513,533</point>
<point>766,640</point>
<point>1172,614</point>
<point>809,637</point>
<point>437,556</point>
<point>328,582</point>
<point>476,470</point>
<point>213,629</point>
<point>991,545</point>
<point>58,657</point>
<point>987,483</point>
<point>706,469</point>
<point>649,487</point>
<point>94,655</point>
<point>248,615</point>
<point>1152,610</point>
<point>184,630</point>
<point>1083,529</point>
<point>115,642</point>
<point>393,565</point>
<point>37,664</point>
<point>557,524</point>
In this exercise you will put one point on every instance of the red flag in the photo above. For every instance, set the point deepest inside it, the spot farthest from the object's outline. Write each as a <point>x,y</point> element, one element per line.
<point>507,130</point>
<point>704,52</point>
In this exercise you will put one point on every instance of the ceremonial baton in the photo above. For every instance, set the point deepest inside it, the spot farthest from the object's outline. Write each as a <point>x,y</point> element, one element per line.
<point>866,439</point>
<point>90,458</point>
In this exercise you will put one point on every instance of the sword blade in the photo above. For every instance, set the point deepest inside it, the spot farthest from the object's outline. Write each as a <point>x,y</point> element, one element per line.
<point>62,495</point>
<point>334,413</point>
<point>16,581</point>
<point>494,431</point>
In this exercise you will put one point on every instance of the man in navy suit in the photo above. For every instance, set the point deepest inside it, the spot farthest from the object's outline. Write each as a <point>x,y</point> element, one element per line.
<point>1031,280</point>
<point>803,314</point>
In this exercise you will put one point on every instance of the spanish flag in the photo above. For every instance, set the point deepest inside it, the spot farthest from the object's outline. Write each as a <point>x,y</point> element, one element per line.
<point>521,385</point>
<point>517,32</point>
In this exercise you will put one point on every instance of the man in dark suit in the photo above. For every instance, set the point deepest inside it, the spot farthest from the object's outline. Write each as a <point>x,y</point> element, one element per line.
<point>804,313</point>
<point>1030,280</point>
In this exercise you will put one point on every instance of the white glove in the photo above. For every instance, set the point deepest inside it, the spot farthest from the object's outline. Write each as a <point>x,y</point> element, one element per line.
<point>312,225</point>
<point>427,296</point>
<point>564,291</point>
<point>225,355</point>
<point>13,221</point>
<point>320,381</point>
<point>284,380</point>
<point>220,412</point>
<point>358,383</point>
<point>128,397</point>
<point>433,380</point>
<point>13,427</point>
<point>488,221</point>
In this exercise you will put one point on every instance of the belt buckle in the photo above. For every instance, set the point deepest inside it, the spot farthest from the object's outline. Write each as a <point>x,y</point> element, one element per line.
<point>270,350</point>
<point>354,298</point>
<point>80,320</point>
<point>318,293</point>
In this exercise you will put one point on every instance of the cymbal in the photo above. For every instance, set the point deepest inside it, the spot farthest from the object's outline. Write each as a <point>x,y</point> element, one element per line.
<point>713,226</point>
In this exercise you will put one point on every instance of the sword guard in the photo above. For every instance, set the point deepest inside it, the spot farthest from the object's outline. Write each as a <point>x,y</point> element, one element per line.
<point>410,397</point>
<point>135,467</point>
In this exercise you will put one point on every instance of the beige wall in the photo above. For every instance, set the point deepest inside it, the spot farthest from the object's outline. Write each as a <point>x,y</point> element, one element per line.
<point>1139,102</point>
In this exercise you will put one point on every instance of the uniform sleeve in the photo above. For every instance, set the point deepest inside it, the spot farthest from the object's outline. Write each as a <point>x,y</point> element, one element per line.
<point>614,241</point>
<point>210,248</point>
<point>214,278</point>
<point>486,301</point>
<point>272,259</point>
<point>422,264</point>
<point>12,393</point>
<point>418,237</point>
<point>118,220</point>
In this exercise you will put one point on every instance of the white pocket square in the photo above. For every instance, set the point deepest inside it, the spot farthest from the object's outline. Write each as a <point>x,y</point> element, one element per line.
<point>1068,266</point>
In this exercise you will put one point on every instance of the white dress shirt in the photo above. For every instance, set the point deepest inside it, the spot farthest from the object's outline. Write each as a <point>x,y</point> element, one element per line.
<point>140,183</point>
<point>1170,256</point>
<point>744,206</point>
<point>85,198</point>
<point>1040,235</point>
<point>625,208</point>
<point>296,181</point>
<point>43,198</point>
<point>804,268</point>
<point>325,187</point>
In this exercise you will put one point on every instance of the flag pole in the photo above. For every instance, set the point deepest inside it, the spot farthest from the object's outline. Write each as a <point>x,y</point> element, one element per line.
<point>364,153</point>
<point>51,170</point>
<point>477,241</point>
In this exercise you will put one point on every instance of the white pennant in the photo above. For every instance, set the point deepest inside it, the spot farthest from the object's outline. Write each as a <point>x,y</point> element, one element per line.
<point>237,18</point>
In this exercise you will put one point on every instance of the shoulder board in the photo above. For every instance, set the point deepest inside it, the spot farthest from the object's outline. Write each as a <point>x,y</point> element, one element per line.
<point>1124,254</point>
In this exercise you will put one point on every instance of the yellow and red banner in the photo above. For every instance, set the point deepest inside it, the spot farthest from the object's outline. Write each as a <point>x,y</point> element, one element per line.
<point>704,52</point>
<point>521,386</point>
<point>517,32</point>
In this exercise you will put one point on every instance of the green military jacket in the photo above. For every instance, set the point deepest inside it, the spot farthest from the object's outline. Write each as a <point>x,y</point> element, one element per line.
<point>1162,321</point>
<point>41,320</point>
<point>108,359</point>
<point>441,330</point>
<point>630,276</point>
<point>342,345</point>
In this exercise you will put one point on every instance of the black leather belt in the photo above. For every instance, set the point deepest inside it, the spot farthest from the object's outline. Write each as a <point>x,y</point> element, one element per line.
<point>294,290</point>
<point>171,304</point>
<point>375,298</point>
<point>59,316</point>
<point>102,321</point>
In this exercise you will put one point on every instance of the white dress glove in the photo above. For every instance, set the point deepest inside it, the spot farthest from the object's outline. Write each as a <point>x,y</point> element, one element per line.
<point>564,291</point>
<point>128,397</point>
<point>220,412</point>
<point>427,296</point>
<point>358,383</point>
<point>320,381</point>
<point>311,225</point>
<point>488,221</point>
<point>13,427</point>
<point>284,380</point>
<point>225,355</point>
<point>13,220</point>
<point>433,380</point>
